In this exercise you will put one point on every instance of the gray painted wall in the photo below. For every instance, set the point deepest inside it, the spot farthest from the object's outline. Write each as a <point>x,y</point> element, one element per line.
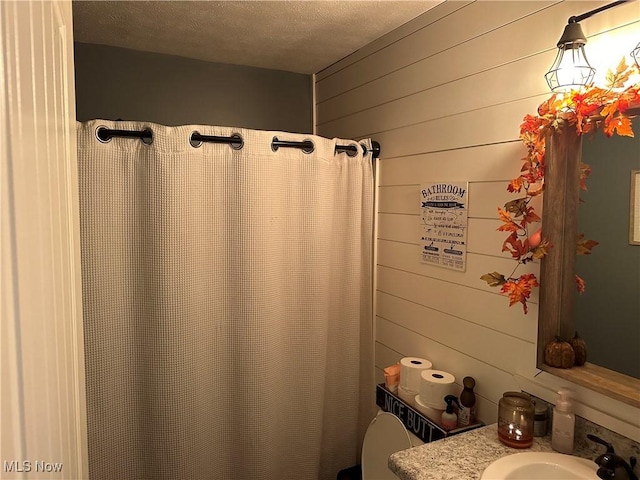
<point>608,313</point>
<point>114,83</point>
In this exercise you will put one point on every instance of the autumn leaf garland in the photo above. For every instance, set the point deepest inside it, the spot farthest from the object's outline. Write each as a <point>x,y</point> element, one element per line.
<point>588,109</point>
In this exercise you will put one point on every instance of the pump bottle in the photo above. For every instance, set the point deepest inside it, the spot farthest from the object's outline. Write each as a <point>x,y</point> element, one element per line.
<point>449,417</point>
<point>564,422</point>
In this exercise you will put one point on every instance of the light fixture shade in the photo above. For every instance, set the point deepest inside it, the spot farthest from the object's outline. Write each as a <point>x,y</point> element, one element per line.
<point>635,53</point>
<point>571,69</point>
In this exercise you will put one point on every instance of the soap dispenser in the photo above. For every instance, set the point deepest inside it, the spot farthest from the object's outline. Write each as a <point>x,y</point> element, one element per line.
<point>449,417</point>
<point>564,422</point>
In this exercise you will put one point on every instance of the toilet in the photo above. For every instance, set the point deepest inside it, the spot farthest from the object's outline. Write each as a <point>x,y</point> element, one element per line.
<point>386,435</point>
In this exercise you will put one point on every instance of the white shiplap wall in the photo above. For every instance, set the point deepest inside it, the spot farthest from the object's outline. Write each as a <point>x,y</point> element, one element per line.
<point>444,95</point>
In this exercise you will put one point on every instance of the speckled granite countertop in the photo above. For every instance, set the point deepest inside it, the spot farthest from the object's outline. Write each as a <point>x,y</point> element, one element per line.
<point>466,455</point>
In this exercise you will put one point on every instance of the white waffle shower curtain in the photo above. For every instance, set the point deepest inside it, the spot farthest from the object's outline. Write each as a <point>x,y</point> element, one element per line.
<point>227,303</point>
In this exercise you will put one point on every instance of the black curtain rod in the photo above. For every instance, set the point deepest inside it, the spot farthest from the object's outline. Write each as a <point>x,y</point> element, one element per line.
<point>235,141</point>
<point>584,16</point>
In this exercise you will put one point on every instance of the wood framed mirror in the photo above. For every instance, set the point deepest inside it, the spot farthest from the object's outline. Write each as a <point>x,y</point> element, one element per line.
<point>557,269</point>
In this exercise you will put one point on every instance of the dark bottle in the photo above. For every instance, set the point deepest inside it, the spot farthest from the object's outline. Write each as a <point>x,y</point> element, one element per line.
<point>467,414</point>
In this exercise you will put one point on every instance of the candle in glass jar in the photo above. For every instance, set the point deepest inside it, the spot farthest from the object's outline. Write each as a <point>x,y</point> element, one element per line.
<point>515,420</point>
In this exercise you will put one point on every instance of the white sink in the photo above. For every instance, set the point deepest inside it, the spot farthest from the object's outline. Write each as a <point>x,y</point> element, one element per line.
<point>540,466</point>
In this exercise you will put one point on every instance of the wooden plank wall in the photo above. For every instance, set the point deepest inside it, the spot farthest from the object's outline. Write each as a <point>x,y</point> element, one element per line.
<point>444,95</point>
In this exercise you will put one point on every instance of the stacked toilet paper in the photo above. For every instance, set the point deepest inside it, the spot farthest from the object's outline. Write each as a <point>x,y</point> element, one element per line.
<point>410,379</point>
<point>434,386</point>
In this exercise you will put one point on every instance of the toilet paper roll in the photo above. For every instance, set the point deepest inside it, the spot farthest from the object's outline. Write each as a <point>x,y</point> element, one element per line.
<point>410,369</point>
<point>434,386</point>
<point>407,396</point>
<point>432,414</point>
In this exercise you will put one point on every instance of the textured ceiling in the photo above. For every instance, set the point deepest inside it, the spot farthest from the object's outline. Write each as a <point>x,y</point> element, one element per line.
<point>295,36</point>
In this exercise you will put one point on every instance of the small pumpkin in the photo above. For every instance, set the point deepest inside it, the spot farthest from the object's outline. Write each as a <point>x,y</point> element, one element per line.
<point>580,349</point>
<point>559,354</point>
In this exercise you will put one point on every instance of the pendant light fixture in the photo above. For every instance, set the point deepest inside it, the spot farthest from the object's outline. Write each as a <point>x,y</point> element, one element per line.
<point>571,69</point>
<point>635,53</point>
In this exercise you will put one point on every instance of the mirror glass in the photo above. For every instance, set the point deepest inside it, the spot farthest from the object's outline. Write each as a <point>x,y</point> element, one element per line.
<point>607,315</point>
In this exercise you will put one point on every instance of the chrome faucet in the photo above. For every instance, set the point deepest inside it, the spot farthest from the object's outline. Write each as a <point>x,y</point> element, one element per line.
<point>611,465</point>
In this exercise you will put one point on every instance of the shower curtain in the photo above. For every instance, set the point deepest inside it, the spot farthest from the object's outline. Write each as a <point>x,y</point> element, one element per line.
<point>227,303</point>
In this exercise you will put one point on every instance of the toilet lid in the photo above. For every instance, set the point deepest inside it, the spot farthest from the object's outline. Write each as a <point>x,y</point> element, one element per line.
<point>386,435</point>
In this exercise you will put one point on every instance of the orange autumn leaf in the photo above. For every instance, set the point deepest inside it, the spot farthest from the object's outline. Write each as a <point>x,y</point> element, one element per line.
<point>534,192</point>
<point>585,171</point>
<point>580,284</point>
<point>588,126</point>
<point>631,96</point>
<point>620,125</point>
<point>618,78</point>
<point>519,290</point>
<point>530,126</point>
<point>547,106</point>
<point>542,249</point>
<point>509,225</point>
<point>515,185</point>
<point>610,109</point>
<point>623,127</point>
<point>584,246</point>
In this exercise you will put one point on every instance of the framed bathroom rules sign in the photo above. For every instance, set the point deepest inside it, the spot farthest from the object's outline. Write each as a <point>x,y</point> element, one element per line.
<point>443,227</point>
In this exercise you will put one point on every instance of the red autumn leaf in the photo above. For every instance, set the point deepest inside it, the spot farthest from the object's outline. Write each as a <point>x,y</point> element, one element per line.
<point>530,216</point>
<point>530,126</point>
<point>623,105</point>
<point>580,284</point>
<point>515,246</point>
<point>584,104</point>
<point>519,290</point>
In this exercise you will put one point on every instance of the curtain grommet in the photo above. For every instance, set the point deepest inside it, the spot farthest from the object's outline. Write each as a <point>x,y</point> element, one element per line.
<point>147,138</point>
<point>102,134</point>
<point>195,143</point>
<point>238,142</point>
<point>274,144</point>
<point>352,153</point>
<point>309,147</point>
